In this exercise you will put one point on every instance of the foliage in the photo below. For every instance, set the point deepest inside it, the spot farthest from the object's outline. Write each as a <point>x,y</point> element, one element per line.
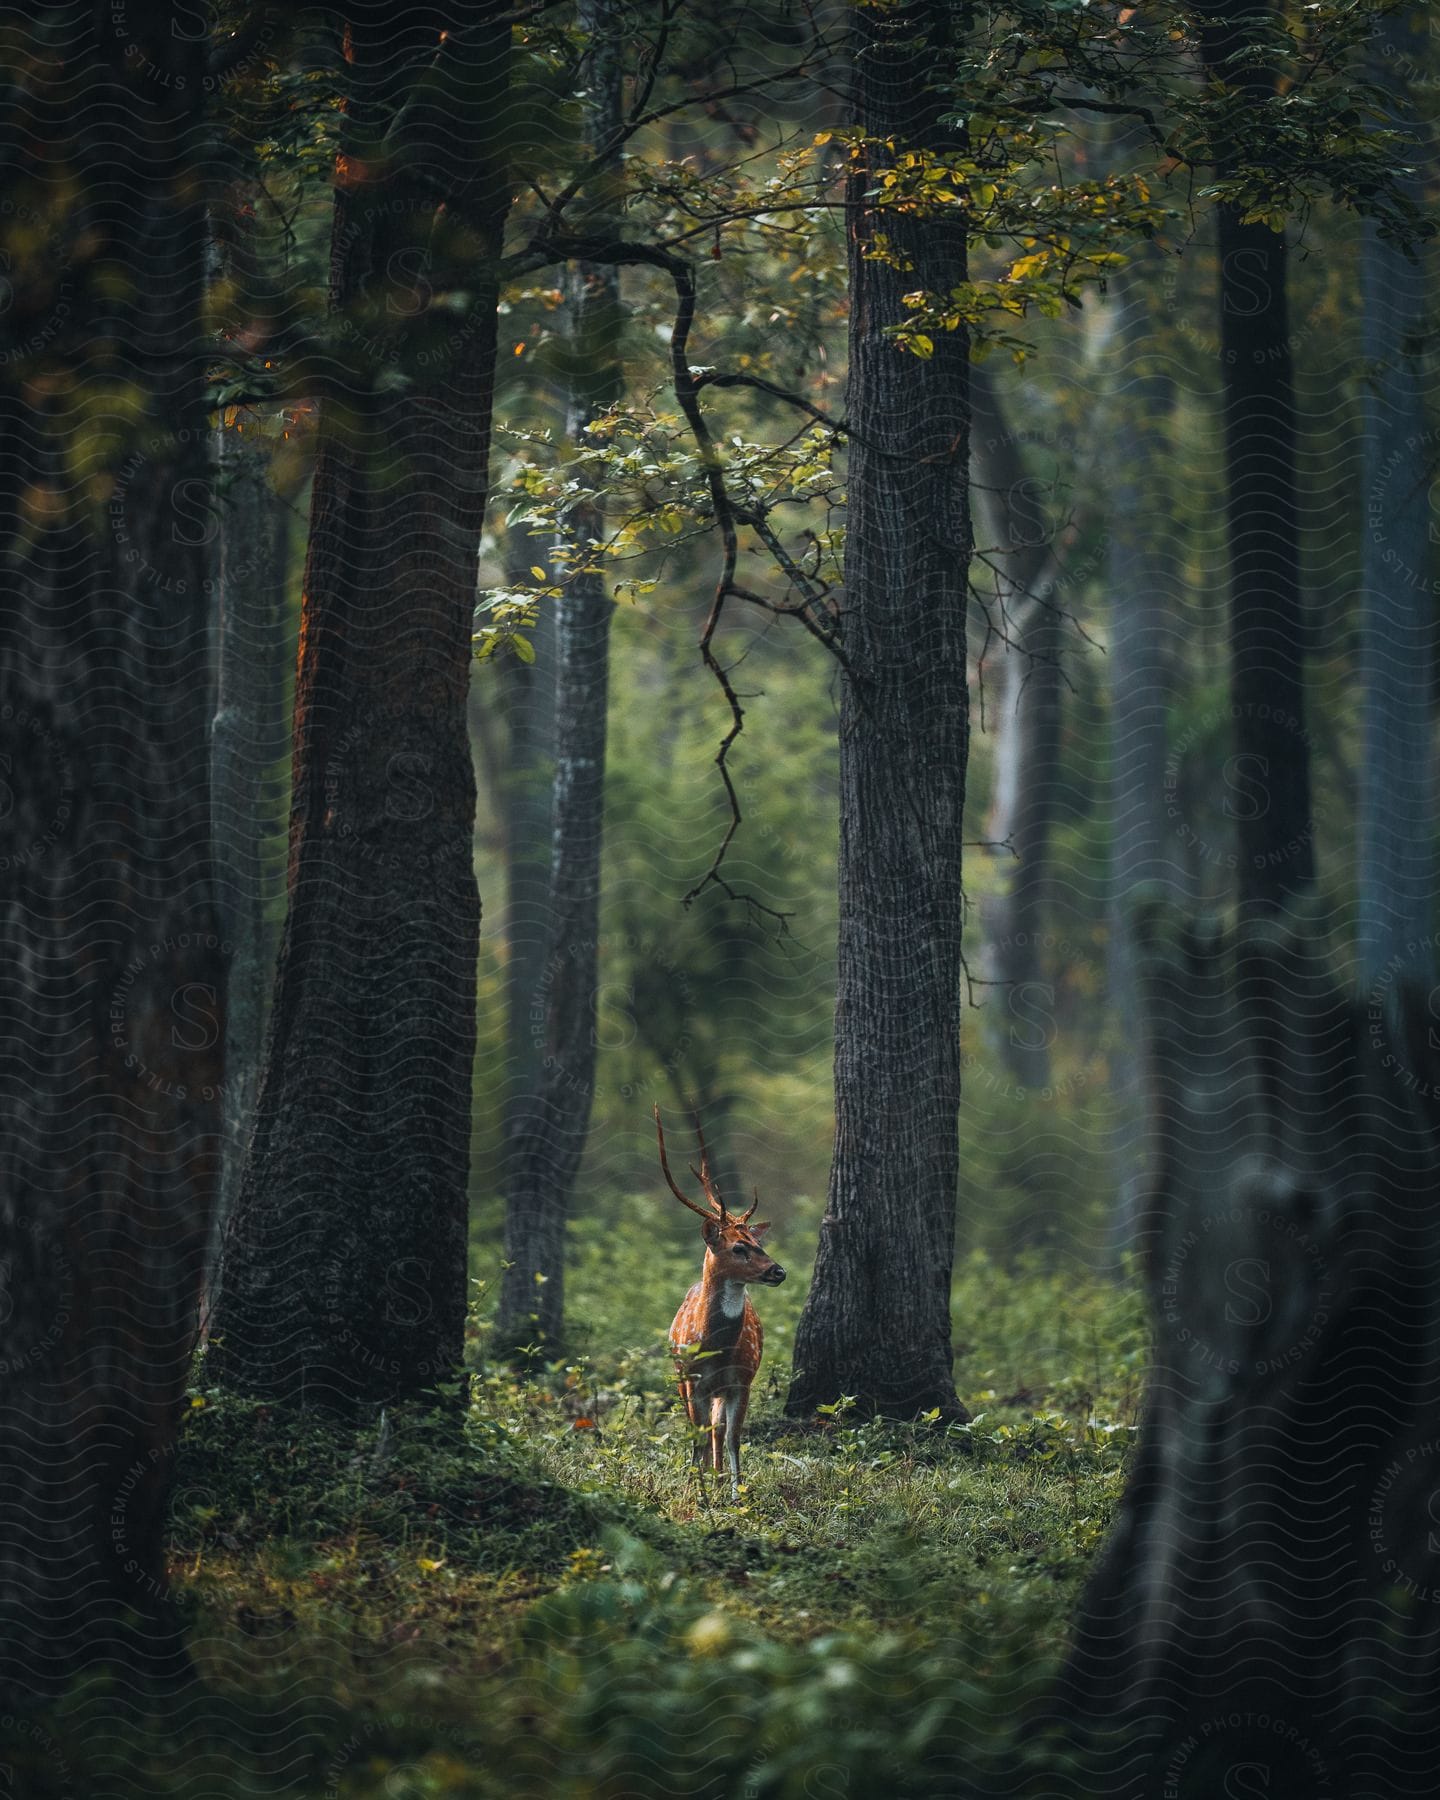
<point>529,1596</point>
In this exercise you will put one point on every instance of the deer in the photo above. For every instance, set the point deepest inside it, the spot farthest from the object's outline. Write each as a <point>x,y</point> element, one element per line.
<point>717,1338</point>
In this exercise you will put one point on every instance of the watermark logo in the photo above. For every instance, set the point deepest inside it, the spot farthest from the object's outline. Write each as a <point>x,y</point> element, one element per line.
<point>173,548</point>
<point>406,1756</point>
<point>1408,474</point>
<point>1244,1754</point>
<point>36,1307</point>
<point>165,1015</point>
<point>1417,1075</point>
<point>1248,1289</point>
<point>1402,1522</point>
<point>194,22</point>
<point>1204,813</point>
<point>31,1761</point>
<point>36,281</point>
<point>1025,1026</point>
<point>37,788</point>
<point>1193,306</point>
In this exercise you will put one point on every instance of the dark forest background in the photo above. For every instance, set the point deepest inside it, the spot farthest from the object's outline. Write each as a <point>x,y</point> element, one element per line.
<point>861,575</point>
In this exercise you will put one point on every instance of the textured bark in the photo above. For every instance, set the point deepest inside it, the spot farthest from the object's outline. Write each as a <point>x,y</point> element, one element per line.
<point>111,962</point>
<point>1028,701</point>
<point>344,1263</point>
<point>248,739</point>
<point>1266,1616</point>
<point>1397,866</point>
<point>876,1323</point>
<point>1269,771</point>
<point>545,1154</point>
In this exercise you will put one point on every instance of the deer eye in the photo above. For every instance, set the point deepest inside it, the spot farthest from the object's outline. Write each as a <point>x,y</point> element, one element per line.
<point>741,1249</point>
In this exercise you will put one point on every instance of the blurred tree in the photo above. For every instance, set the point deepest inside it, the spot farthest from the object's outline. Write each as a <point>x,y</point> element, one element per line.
<point>552,1124</point>
<point>1277,1536</point>
<point>344,1261</point>
<point>1397,861</point>
<point>1268,774</point>
<point>1144,589</point>
<point>876,1324</point>
<point>1027,557</point>
<point>112,959</point>
<point>247,736</point>
<point>526,788</point>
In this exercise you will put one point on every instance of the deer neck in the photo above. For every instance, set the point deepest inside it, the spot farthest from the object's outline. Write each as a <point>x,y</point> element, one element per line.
<point>724,1303</point>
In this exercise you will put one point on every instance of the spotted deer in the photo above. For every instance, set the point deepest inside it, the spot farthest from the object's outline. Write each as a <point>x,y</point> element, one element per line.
<point>717,1337</point>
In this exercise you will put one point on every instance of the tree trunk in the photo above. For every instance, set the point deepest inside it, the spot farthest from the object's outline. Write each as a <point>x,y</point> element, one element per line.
<point>246,743</point>
<point>1268,774</point>
<point>528,798</point>
<point>876,1324</point>
<point>1028,712</point>
<point>1266,1617</point>
<point>344,1271</point>
<point>545,1156</point>
<point>1144,585</point>
<point>112,962</point>
<point>1396,853</point>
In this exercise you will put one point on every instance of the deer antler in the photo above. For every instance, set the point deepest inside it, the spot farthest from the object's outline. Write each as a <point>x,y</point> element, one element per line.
<point>753,1204</point>
<point>665,1165</point>
<point>702,1174</point>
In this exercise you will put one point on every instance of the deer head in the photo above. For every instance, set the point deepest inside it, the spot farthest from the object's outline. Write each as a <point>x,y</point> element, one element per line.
<point>732,1245</point>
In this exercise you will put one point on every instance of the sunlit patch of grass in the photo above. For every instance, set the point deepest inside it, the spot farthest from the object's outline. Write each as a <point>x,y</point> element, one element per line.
<point>520,1589</point>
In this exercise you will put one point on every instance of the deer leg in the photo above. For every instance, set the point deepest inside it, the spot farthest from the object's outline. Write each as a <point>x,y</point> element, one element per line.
<point>717,1432</point>
<point>699,1446</point>
<point>734,1417</point>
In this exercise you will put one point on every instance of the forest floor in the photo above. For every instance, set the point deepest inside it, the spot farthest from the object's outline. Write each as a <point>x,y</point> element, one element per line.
<point>523,1590</point>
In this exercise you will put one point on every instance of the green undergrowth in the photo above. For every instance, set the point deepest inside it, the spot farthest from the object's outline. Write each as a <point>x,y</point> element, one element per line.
<point>523,1589</point>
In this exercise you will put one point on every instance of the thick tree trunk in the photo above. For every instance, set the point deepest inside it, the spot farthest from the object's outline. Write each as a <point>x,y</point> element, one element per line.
<point>1266,1617</point>
<point>1028,703</point>
<point>876,1323</point>
<point>247,741</point>
<point>545,1155</point>
<point>1268,774</point>
<point>1396,855</point>
<point>111,964</point>
<point>344,1266</point>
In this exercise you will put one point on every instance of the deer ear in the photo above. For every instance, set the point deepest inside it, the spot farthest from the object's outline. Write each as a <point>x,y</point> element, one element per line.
<point>758,1231</point>
<point>711,1233</point>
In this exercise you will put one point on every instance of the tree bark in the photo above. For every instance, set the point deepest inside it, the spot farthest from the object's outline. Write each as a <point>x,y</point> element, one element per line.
<point>344,1273</point>
<point>1396,852</point>
<point>876,1324</point>
<point>111,965</point>
<point>1268,774</point>
<point>545,1156</point>
<point>1268,1608</point>
<point>247,741</point>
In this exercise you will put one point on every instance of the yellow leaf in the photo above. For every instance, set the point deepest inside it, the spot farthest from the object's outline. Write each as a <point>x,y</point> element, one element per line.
<point>537,571</point>
<point>921,345</point>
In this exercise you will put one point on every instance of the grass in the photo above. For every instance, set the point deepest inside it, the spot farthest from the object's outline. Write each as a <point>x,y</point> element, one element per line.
<point>524,1590</point>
